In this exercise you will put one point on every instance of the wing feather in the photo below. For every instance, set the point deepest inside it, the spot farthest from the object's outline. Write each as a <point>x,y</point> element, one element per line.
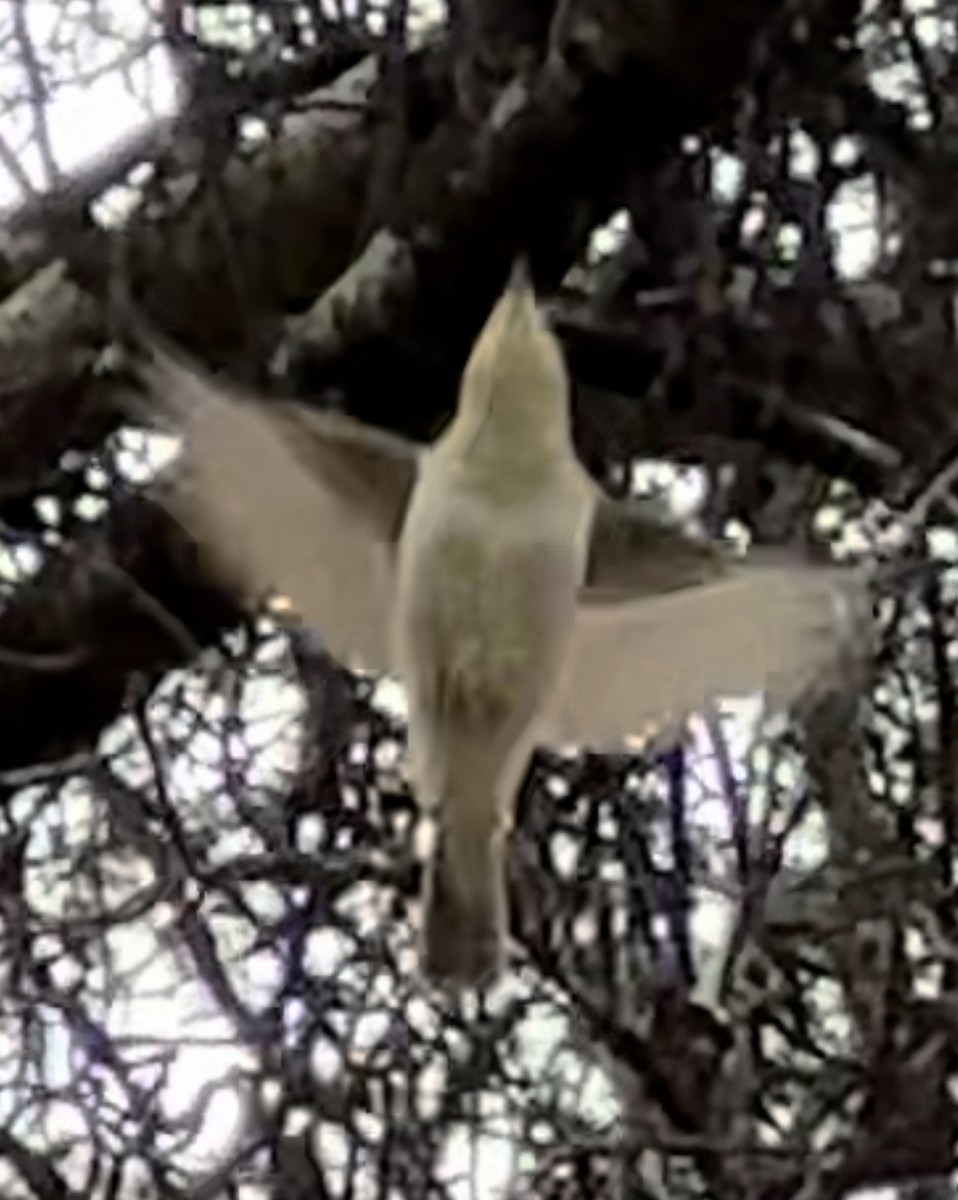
<point>635,550</point>
<point>645,664</point>
<point>289,504</point>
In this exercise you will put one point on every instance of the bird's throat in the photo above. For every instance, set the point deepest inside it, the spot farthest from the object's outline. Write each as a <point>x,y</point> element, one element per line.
<point>508,436</point>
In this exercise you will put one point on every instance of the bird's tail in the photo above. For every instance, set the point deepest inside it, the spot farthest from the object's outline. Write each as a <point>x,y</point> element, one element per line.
<point>464,918</point>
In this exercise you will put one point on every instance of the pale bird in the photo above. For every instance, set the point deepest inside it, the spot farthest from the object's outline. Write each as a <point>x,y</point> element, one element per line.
<point>518,603</point>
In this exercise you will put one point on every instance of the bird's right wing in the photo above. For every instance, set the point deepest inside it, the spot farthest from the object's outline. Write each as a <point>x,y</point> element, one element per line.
<point>643,665</point>
<point>283,498</point>
<point>636,550</point>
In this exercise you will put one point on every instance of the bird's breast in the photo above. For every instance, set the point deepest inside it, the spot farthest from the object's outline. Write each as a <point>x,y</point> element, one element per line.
<point>487,595</point>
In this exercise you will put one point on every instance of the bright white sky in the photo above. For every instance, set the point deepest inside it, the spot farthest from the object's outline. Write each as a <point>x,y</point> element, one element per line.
<point>83,121</point>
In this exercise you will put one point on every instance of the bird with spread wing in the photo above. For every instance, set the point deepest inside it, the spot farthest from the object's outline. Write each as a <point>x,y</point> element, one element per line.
<point>517,602</point>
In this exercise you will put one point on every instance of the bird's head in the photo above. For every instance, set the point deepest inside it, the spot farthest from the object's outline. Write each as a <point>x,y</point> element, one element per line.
<point>516,366</point>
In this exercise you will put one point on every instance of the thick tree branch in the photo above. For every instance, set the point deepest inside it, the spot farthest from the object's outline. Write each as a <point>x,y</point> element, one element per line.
<point>614,95</point>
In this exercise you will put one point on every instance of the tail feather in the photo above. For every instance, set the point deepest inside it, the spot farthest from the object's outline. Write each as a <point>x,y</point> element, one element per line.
<point>464,918</point>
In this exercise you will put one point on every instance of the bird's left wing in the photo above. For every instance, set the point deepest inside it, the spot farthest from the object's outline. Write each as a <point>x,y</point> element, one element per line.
<point>285,498</point>
<point>667,623</point>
